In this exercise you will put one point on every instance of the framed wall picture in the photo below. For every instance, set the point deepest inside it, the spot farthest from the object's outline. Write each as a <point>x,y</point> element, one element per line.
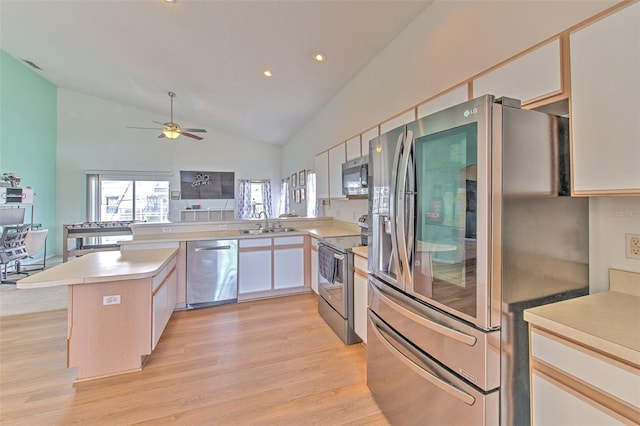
<point>302,178</point>
<point>294,180</point>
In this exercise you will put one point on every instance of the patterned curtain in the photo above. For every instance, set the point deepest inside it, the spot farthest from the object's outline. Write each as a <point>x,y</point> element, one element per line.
<point>283,207</point>
<point>244,199</point>
<point>266,197</point>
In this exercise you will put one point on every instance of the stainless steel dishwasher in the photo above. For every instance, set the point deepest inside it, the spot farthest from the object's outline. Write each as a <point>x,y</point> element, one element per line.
<point>212,273</point>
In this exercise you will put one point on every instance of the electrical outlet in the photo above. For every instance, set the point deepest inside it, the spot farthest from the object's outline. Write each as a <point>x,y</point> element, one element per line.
<point>166,229</point>
<point>111,300</point>
<point>222,227</point>
<point>633,246</point>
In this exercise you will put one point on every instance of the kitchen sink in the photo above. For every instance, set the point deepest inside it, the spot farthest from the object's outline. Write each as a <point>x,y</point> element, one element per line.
<point>253,231</point>
<point>276,230</point>
<point>265,231</point>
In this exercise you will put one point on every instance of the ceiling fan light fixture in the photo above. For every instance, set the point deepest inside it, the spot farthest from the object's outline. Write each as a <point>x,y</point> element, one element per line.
<point>171,134</point>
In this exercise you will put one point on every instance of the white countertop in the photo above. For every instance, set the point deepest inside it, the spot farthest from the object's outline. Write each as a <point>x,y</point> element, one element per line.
<point>101,267</point>
<point>608,322</point>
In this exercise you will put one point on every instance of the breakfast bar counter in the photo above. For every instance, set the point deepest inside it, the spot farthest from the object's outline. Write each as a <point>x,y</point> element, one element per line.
<point>119,304</point>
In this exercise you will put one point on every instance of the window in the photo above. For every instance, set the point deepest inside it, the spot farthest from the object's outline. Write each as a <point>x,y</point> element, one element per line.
<point>254,197</point>
<point>127,198</point>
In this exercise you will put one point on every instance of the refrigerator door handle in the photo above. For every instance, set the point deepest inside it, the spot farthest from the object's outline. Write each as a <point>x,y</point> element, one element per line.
<point>433,379</point>
<point>213,248</point>
<point>405,246</point>
<point>434,326</point>
<point>393,208</point>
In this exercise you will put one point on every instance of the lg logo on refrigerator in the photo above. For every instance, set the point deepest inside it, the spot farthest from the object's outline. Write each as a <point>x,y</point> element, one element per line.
<point>468,112</point>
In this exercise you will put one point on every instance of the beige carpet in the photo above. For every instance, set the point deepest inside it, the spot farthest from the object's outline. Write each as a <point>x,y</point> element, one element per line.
<point>15,302</point>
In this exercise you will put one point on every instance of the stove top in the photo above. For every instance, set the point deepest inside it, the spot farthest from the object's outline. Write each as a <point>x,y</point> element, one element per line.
<point>343,244</point>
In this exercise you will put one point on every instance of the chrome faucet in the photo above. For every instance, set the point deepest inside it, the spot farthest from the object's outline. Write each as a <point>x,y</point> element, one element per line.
<point>266,219</point>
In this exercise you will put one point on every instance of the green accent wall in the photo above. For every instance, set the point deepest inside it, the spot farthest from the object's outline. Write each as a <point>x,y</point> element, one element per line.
<point>28,137</point>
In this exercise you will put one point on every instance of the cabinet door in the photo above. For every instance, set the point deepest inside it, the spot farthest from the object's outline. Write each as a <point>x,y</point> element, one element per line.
<point>254,271</point>
<point>288,267</point>
<point>444,101</point>
<point>536,75</point>
<point>554,404</point>
<point>164,302</point>
<point>605,88</point>
<point>322,175</point>
<point>360,305</point>
<point>353,148</point>
<point>398,120</point>
<point>337,156</point>
<point>314,264</point>
<point>366,137</point>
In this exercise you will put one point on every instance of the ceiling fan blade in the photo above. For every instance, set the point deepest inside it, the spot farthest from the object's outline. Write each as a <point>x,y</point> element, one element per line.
<point>147,128</point>
<point>162,124</point>
<point>189,135</point>
<point>161,136</point>
<point>195,130</point>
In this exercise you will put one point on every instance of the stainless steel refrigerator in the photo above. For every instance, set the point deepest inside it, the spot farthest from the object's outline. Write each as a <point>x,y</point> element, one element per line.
<point>472,223</point>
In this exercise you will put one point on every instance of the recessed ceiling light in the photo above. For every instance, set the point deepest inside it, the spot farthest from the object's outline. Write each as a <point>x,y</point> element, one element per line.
<point>320,57</point>
<point>170,1</point>
<point>268,73</point>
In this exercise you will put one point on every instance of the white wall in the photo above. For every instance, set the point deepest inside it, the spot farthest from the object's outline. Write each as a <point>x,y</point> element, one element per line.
<point>610,218</point>
<point>93,135</point>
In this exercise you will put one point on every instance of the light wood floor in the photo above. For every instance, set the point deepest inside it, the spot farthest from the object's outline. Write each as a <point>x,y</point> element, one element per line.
<point>272,362</point>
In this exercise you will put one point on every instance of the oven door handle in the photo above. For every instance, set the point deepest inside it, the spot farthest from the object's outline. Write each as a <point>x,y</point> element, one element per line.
<point>338,256</point>
<point>431,325</point>
<point>432,378</point>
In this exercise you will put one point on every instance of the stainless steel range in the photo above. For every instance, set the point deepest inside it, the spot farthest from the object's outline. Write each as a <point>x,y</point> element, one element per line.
<point>335,285</point>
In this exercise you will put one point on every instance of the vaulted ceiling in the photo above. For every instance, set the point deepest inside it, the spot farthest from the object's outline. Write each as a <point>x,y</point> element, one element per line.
<point>212,54</point>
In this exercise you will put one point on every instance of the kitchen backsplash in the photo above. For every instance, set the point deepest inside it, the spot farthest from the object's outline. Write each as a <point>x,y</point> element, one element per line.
<point>610,219</point>
<point>346,210</point>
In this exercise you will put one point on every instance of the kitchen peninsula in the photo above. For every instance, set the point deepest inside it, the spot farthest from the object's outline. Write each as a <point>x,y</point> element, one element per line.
<point>119,304</point>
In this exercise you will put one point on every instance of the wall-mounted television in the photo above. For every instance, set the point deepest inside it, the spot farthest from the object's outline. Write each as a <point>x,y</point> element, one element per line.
<point>197,185</point>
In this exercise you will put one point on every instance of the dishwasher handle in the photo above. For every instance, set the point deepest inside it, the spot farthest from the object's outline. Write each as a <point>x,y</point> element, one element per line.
<point>213,248</point>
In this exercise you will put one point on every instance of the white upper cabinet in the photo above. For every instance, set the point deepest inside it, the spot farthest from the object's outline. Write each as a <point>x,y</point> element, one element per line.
<point>444,101</point>
<point>605,89</point>
<point>533,76</point>
<point>353,148</point>
<point>398,120</point>
<point>366,137</point>
<point>322,175</point>
<point>337,156</point>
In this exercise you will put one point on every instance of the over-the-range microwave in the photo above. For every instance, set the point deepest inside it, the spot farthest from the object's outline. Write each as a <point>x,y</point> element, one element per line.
<point>354,177</point>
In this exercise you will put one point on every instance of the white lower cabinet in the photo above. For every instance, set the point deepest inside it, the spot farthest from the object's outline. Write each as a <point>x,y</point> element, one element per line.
<point>254,271</point>
<point>288,265</point>
<point>572,384</point>
<point>360,297</point>
<point>268,264</point>
<point>163,304</point>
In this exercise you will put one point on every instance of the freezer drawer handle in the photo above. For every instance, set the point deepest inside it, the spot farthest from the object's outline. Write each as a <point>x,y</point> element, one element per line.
<point>437,381</point>
<point>446,331</point>
<point>213,248</point>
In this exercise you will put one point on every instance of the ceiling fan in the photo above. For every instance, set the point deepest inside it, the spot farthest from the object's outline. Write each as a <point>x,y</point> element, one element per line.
<point>171,129</point>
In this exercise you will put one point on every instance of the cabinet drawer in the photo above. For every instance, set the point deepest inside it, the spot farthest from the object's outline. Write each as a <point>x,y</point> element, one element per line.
<point>255,242</point>
<point>580,362</point>
<point>285,241</point>
<point>360,264</point>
